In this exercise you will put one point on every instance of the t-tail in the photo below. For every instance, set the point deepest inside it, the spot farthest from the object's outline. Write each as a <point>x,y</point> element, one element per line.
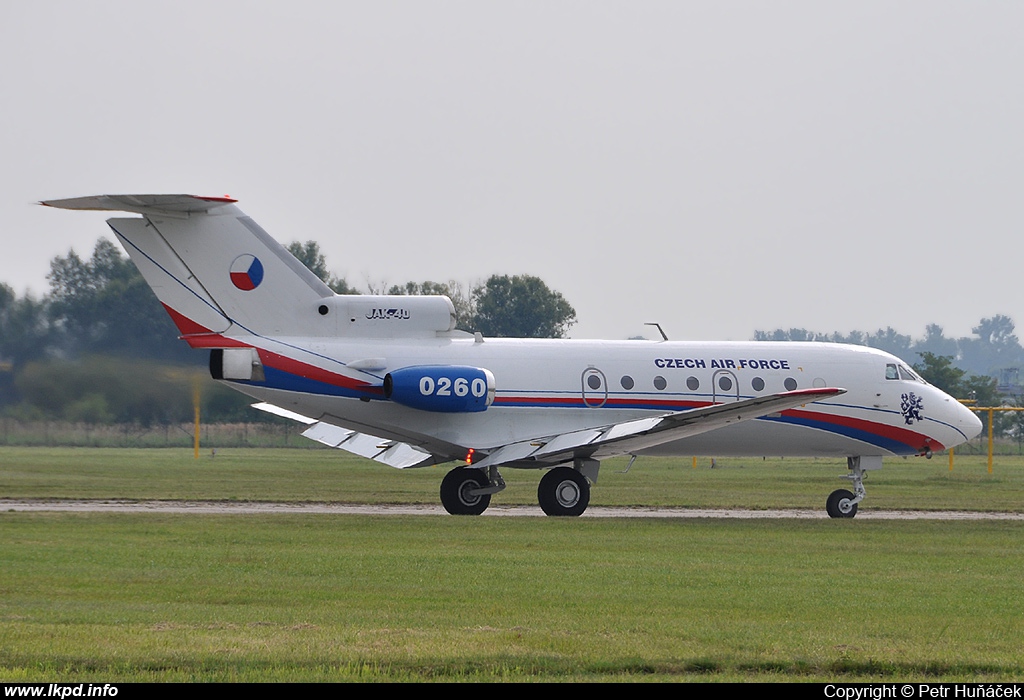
<point>220,275</point>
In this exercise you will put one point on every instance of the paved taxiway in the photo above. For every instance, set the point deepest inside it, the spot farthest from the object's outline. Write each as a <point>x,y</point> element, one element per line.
<point>249,508</point>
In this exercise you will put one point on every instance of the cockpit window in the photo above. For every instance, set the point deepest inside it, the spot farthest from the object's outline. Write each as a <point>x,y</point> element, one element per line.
<point>895,371</point>
<point>905,373</point>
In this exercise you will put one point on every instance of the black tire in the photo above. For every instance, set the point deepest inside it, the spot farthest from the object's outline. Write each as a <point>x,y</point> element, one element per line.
<point>455,489</point>
<point>563,492</point>
<point>839,504</point>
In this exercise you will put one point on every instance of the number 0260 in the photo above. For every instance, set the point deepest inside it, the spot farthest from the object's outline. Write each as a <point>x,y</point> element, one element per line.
<point>446,386</point>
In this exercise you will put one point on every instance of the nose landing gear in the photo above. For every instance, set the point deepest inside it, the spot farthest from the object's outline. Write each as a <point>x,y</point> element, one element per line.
<point>842,503</point>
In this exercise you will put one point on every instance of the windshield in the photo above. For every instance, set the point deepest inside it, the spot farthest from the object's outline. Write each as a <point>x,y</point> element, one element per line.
<point>901,371</point>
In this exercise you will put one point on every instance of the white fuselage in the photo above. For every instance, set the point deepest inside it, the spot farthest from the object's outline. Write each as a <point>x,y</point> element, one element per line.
<point>548,387</point>
<point>388,377</point>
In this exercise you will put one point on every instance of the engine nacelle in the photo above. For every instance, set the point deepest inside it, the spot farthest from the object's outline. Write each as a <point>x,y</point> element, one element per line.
<point>441,388</point>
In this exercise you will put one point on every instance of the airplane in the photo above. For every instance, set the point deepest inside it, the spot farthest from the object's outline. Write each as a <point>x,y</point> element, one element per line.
<point>390,378</point>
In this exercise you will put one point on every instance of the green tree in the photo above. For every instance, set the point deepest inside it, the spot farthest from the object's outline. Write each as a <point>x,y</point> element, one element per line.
<point>463,302</point>
<point>936,342</point>
<point>939,371</point>
<point>101,389</point>
<point>521,306</point>
<point>25,332</point>
<point>997,331</point>
<point>310,255</point>
<point>103,305</point>
<point>890,341</point>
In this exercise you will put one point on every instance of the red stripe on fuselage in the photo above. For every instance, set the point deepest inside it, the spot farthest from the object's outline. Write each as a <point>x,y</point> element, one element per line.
<point>308,371</point>
<point>198,336</point>
<point>911,438</point>
<point>892,432</point>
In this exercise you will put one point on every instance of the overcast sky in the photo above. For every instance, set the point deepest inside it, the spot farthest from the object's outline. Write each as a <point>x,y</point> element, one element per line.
<point>718,167</point>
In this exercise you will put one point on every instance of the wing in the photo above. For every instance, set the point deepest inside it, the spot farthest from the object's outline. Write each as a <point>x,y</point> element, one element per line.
<point>592,443</point>
<point>633,436</point>
<point>394,453</point>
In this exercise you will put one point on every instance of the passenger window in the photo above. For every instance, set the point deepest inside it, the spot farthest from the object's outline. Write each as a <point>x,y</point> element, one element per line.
<point>891,372</point>
<point>757,384</point>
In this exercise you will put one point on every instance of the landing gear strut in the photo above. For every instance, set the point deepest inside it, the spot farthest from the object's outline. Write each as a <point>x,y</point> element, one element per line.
<point>842,503</point>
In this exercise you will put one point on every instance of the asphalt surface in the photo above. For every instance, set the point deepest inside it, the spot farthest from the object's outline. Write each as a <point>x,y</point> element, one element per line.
<point>250,508</point>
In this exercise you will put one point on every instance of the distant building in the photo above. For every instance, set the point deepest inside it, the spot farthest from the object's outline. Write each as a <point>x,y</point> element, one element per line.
<point>1009,382</point>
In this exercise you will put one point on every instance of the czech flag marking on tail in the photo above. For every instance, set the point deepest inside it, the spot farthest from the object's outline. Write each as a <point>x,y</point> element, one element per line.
<point>246,272</point>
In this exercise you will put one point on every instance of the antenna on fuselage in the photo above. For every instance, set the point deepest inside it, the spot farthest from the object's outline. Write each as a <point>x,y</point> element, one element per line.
<point>658,326</point>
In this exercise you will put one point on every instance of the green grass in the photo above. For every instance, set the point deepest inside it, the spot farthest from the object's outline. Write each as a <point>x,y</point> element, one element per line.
<point>137,597</point>
<point>332,475</point>
<point>151,597</point>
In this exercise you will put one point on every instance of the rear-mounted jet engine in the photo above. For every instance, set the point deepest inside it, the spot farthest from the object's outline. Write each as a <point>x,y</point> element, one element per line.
<point>441,388</point>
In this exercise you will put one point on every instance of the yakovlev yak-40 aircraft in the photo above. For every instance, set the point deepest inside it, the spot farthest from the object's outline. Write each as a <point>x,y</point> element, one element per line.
<point>391,379</point>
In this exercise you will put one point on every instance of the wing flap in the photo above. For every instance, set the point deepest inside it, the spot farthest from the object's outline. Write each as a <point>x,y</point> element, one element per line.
<point>609,441</point>
<point>393,453</point>
<point>567,441</point>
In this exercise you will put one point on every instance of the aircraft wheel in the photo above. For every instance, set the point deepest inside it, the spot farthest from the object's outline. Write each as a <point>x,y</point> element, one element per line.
<point>455,491</point>
<point>840,504</point>
<point>563,491</point>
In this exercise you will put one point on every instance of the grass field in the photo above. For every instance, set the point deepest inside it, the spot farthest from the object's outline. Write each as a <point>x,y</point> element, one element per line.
<point>332,475</point>
<point>136,597</point>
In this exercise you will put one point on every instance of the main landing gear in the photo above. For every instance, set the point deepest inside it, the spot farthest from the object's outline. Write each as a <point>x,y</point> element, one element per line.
<point>842,503</point>
<point>563,491</point>
<point>467,491</point>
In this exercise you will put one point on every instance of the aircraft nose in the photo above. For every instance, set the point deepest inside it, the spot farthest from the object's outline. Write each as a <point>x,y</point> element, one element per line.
<point>968,421</point>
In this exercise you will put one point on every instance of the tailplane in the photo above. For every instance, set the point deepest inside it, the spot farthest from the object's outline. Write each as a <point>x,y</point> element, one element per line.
<point>221,277</point>
<point>212,267</point>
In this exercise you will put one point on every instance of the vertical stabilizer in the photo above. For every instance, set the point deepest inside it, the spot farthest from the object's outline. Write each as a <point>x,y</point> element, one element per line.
<point>213,268</point>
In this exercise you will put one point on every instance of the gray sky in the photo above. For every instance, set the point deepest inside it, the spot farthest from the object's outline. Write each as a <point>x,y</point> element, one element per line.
<point>718,167</point>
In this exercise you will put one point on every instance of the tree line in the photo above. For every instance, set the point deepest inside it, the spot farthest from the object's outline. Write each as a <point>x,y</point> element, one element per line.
<point>965,368</point>
<point>993,348</point>
<point>98,348</point>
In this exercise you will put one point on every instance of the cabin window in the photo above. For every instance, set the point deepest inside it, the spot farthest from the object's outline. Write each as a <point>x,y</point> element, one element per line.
<point>724,383</point>
<point>790,384</point>
<point>660,383</point>
<point>692,383</point>
<point>757,384</point>
<point>594,382</point>
<point>626,382</point>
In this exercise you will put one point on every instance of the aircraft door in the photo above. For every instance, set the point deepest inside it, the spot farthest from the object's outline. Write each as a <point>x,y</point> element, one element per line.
<point>595,387</point>
<point>725,385</point>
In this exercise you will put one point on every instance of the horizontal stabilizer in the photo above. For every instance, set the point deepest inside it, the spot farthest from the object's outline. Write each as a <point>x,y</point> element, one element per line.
<point>174,204</point>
